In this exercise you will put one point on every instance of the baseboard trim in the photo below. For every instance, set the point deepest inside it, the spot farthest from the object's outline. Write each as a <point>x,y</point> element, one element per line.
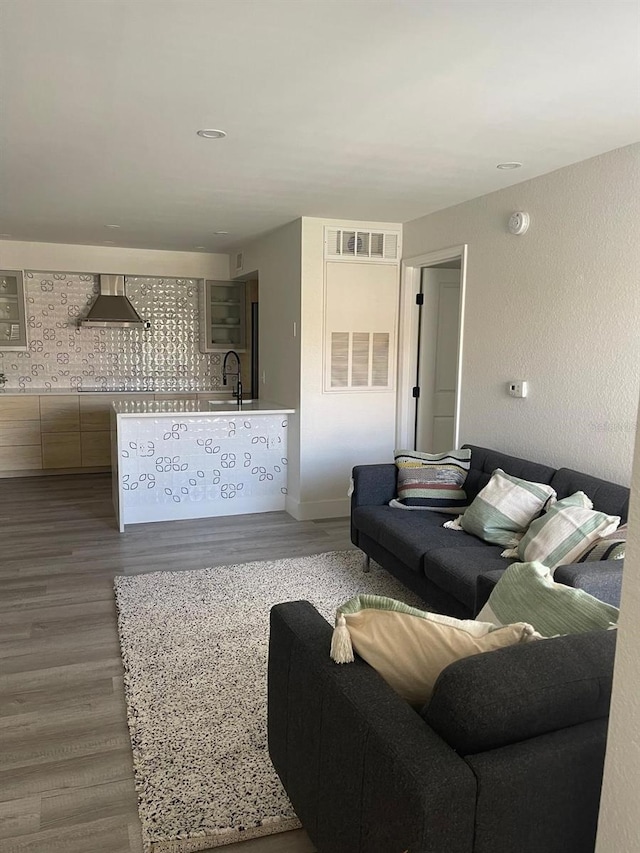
<point>315,510</point>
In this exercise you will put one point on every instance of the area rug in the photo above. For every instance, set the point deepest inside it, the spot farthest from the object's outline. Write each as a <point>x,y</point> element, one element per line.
<point>194,647</point>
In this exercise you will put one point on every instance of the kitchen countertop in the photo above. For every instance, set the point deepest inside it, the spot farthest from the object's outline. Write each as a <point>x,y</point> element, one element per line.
<point>153,408</point>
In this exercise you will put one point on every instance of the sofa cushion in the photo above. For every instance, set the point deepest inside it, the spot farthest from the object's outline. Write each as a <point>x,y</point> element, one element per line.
<point>504,508</point>
<point>489,701</point>
<point>406,534</point>
<point>432,481</point>
<point>606,497</point>
<point>526,592</point>
<point>456,569</point>
<point>410,647</point>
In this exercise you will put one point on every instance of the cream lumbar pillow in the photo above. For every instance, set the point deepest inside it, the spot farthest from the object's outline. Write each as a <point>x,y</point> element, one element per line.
<point>564,532</point>
<point>408,647</point>
<point>527,591</point>
<point>504,508</point>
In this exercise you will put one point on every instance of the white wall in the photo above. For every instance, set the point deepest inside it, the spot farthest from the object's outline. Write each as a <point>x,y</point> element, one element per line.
<point>277,260</point>
<point>619,825</point>
<point>65,257</point>
<point>558,306</point>
<point>337,430</point>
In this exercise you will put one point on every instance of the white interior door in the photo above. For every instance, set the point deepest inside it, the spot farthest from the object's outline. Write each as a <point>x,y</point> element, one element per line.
<point>438,359</point>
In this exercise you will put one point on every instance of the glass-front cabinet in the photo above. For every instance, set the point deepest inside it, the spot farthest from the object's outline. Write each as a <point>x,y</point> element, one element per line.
<point>223,316</point>
<point>13,326</point>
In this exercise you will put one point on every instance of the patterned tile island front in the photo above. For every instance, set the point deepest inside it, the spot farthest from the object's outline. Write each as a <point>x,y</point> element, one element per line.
<point>181,459</point>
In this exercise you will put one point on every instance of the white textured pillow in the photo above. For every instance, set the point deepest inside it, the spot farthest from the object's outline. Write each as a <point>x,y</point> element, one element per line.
<point>409,648</point>
<point>502,511</point>
<point>564,532</point>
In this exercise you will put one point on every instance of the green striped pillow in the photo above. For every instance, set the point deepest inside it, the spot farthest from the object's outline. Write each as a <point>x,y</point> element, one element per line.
<point>502,511</point>
<point>431,481</point>
<point>526,592</point>
<point>563,533</point>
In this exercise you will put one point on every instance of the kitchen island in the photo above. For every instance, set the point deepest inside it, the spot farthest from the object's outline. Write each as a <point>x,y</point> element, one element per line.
<point>178,459</point>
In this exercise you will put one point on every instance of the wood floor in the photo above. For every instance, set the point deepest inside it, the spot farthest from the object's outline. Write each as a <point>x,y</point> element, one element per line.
<point>66,780</point>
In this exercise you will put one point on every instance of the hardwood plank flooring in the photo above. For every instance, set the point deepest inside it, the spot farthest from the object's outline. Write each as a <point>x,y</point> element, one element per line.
<point>66,777</point>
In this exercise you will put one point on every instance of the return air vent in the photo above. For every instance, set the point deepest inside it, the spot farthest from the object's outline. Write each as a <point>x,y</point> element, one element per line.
<point>349,245</point>
<point>359,360</point>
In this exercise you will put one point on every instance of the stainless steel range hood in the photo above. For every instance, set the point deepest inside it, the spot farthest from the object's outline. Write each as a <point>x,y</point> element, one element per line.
<point>112,308</point>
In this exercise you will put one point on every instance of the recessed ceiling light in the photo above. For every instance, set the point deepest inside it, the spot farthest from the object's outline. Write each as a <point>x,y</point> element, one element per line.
<point>111,226</point>
<point>200,247</point>
<point>220,232</point>
<point>509,166</point>
<point>212,134</point>
<point>5,235</point>
<point>109,242</point>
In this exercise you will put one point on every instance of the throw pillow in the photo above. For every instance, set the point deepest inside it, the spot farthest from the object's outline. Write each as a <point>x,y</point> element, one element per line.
<point>564,532</point>
<point>610,547</point>
<point>431,481</point>
<point>527,592</point>
<point>409,647</point>
<point>502,511</point>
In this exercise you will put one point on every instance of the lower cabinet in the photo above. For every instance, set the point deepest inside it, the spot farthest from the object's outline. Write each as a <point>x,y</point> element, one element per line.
<point>95,448</point>
<point>61,450</point>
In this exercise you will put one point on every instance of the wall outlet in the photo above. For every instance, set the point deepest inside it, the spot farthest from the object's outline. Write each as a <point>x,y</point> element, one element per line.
<point>517,388</point>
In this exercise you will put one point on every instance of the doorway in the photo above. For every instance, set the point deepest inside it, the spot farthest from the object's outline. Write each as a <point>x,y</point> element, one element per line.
<point>432,308</point>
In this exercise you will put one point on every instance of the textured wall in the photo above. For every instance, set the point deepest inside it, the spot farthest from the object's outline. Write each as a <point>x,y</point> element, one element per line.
<point>558,306</point>
<point>619,825</point>
<point>63,356</point>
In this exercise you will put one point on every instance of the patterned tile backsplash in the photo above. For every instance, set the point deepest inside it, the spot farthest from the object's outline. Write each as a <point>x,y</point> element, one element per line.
<point>164,358</point>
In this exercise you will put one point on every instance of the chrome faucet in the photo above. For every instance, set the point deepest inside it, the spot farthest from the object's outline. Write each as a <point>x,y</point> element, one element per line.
<point>237,393</point>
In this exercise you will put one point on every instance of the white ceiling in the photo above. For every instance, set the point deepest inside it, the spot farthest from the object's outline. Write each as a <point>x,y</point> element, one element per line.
<point>361,109</point>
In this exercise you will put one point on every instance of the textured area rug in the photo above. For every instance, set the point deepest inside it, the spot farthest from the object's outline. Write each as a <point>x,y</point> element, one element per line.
<point>194,646</point>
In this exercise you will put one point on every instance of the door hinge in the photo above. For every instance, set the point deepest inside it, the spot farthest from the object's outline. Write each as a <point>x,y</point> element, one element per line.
<point>419,298</point>
<point>415,391</point>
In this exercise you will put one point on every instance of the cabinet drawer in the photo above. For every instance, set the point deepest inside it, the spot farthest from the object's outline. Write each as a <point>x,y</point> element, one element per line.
<point>19,408</point>
<point>96,448</point>
<point>61,450</point>
<point>19,433</point>
<point>24,458</point>
<point>60,413</point>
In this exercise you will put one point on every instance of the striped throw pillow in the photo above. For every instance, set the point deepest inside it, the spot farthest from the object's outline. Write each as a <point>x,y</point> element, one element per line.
<point>611,547</point>
<point>432,481</point>
<point>564,532</point>
<point>502,511</point>
<point>527,592</point>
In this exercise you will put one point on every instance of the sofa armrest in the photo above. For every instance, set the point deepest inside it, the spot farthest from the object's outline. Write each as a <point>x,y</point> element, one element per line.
<point>602,579</point>
<point>364,772</point>
<point>373,485</point>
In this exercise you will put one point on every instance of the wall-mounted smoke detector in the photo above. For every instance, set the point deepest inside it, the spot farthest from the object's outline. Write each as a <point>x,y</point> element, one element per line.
<point>518,222</point>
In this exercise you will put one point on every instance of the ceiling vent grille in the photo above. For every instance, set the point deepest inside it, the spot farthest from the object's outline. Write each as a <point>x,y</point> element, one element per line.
<point>351,245</point>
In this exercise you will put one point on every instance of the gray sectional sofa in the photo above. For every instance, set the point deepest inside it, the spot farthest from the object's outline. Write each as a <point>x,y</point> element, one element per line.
<point>455,571</point>
<point>507,756</point>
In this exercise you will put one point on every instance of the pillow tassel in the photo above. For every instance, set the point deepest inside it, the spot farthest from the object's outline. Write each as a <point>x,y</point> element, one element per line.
<point>341,646</point>
<point>510,552</point>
